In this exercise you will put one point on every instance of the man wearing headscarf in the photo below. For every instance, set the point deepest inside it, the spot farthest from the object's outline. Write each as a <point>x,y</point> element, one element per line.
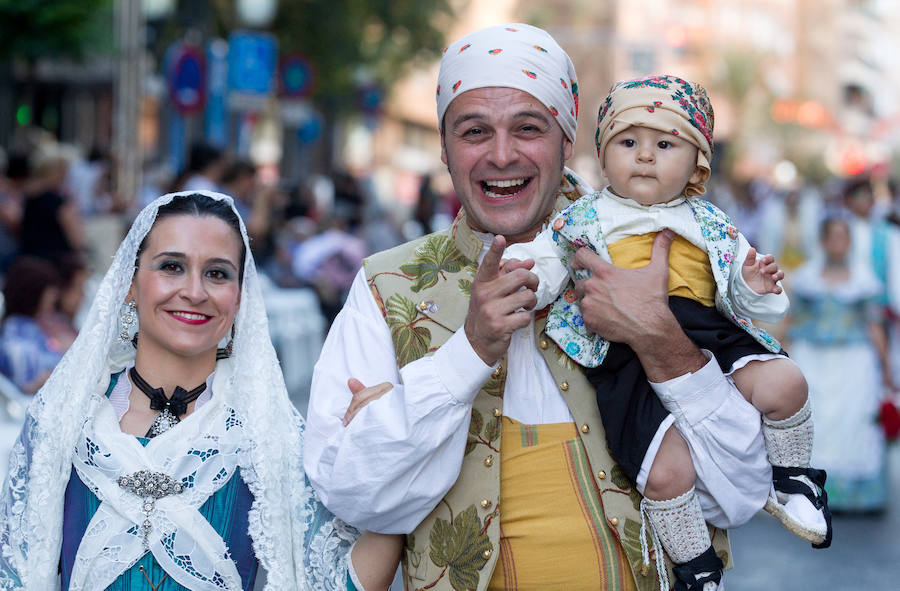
<point>482,442</point>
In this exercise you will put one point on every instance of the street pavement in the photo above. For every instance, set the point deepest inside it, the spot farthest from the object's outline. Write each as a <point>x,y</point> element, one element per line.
<point>865,552</point>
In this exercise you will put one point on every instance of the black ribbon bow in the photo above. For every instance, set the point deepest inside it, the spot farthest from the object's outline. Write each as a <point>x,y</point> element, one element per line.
<point>177,404</point>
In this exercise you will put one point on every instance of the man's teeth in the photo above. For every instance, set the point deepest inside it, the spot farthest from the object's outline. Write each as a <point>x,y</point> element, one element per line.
<point>190,316</point>
<point>509,183</point>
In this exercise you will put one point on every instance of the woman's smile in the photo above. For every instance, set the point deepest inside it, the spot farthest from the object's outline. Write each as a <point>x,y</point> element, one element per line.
<point>190,317</point>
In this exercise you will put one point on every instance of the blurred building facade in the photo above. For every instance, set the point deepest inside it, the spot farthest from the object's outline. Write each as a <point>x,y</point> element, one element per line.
<point>807,80</point>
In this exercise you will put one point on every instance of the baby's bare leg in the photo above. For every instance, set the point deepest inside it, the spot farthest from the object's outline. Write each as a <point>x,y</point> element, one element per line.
<point>672,473</point>
<point>775,387</point>
<point>674,511</point>
<point>779,391</point>
<point>375,558</point>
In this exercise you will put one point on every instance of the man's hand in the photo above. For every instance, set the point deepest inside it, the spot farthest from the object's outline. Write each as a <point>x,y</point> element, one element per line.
<point>632,306</point>
<point>499,306</point>
<point>363,396</point>
<point>761,275</point>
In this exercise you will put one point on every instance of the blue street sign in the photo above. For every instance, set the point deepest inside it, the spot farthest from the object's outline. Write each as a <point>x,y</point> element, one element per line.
<point>216,112</point>
<point>297,76</point>
<point>186,78</point>
<point>252,60</point>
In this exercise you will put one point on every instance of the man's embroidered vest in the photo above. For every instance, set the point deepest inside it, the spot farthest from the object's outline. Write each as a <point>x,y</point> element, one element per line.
<point>578,227</point>
<point>423,289</point>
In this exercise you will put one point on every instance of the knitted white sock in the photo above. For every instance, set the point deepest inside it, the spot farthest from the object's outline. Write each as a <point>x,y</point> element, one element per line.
<point>680,526</point>
<point>789,441</point>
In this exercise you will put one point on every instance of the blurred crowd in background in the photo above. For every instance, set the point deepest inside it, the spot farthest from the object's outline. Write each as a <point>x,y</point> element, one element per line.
<point>60,221</point>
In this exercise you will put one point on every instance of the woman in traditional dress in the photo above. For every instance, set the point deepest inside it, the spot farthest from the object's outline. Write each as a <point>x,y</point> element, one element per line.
<point>156,458</point>
<point>839,341</point>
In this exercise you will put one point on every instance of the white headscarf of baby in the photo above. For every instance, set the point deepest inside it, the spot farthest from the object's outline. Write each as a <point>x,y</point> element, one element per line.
<point>512,56</point>
<point>250,381</point>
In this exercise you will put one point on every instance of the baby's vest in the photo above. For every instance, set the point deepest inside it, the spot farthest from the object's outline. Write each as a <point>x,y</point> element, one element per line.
<point>577,225</point>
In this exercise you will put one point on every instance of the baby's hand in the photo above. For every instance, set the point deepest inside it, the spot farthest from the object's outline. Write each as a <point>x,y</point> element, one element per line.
<point>763,275</point>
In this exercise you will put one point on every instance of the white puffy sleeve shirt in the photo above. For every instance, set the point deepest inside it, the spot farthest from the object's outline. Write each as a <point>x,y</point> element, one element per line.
<point>389,468</point>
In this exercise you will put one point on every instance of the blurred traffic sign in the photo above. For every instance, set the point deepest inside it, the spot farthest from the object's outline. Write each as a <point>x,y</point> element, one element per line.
<point>252,59</point>
<point>369,97</point>
<point>216,112</point>
<point>297,76</point>
<point>186,78</point>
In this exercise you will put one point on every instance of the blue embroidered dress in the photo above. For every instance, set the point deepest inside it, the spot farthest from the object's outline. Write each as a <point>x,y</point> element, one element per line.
<point>831,343</point>
<point>226,511</point>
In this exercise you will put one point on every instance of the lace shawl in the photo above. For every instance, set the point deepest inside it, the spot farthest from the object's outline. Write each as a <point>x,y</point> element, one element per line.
<point>297,541</point>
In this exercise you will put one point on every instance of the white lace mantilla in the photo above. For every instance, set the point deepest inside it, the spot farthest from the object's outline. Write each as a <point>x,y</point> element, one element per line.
<point>201,455</point>
<point>298,542</point>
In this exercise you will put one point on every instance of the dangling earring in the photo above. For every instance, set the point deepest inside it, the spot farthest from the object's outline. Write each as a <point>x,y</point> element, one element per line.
<point>229,347</point>
<point>127,318</point>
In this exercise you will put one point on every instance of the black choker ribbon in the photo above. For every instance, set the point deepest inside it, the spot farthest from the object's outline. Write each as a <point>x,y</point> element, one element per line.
<point>177,404</point>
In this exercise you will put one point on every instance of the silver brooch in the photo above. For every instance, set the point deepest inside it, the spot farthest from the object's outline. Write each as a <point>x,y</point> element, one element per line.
<point>164,421</point>
<point>150,486</point>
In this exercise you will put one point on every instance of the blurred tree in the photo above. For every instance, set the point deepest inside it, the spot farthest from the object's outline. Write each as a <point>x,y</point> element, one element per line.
<point>32,29</point>
<point>357,42</point>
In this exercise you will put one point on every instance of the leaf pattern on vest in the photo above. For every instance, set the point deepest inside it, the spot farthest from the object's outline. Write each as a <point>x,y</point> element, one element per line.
<point>458,546</point>
<point>432,260</point>
<point>411,342</point>
<point>481,433</point>
<point>494,386</point>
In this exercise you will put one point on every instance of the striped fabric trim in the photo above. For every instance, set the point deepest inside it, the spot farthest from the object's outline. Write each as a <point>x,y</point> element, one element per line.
<point>614,567</point>
<point>510,579</point>
<point>529,435</point>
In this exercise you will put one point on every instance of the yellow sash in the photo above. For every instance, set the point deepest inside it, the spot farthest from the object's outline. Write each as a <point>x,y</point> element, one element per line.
<point>553,534</point>
<point>690,275</point>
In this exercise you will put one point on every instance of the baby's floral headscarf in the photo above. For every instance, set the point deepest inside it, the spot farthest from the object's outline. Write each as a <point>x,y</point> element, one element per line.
<point>665,103</point>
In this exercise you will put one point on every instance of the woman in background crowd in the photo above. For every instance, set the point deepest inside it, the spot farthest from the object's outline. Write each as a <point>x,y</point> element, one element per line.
<point>28,353</point>
<point>839,340</point>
